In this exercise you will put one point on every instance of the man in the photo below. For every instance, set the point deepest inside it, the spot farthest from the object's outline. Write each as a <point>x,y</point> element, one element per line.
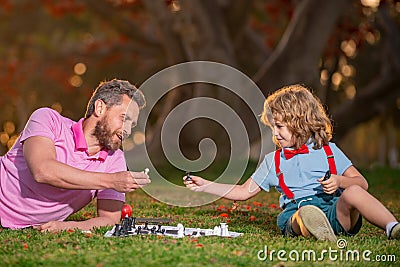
<point>57,166</point>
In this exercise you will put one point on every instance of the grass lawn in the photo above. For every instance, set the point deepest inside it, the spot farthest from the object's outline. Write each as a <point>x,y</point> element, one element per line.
<point>256,218</point>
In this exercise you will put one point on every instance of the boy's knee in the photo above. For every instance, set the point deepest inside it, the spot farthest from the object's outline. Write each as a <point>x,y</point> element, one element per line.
<point>352,192</point>
<point>353,189</point>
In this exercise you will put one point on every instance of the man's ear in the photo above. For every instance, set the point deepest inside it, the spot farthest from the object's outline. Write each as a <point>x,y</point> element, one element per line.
<point>99,108</point>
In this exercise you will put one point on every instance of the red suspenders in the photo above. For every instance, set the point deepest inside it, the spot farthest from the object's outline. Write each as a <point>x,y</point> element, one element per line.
<point>331,159</point>
<point>282,184</point>
<point>279,174</point>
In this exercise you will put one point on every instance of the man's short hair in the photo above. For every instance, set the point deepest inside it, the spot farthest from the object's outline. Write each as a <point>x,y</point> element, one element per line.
<point>111,92</point>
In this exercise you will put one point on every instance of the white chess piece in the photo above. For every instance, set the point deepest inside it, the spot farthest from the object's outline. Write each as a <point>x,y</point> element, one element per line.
<point>227,232</point>
<point>181,230</point>
<point>217,230</point>
<point>224,229</point>
<point>146,171</point>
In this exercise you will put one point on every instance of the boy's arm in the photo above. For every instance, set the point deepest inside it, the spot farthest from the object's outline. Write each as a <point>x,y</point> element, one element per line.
<point>233,192</point>
<point>109,213</point>
<point>352,177</point>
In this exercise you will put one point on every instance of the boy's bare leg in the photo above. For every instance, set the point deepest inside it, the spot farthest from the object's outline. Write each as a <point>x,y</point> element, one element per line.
<point>298,226</point>
<point>354,201</point>
<point>309,220</point>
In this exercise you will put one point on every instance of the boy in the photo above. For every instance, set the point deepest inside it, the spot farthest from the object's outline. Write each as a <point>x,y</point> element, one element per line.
<point>311,205</point>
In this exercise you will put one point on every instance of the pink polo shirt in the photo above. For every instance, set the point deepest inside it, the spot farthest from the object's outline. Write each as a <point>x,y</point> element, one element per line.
<point>23,201</point>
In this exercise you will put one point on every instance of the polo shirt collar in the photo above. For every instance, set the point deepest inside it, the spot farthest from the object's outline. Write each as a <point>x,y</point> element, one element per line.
<point>80,141</point>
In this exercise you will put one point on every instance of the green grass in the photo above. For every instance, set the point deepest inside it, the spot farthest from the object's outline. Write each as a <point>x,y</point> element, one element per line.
<point>31,248</point>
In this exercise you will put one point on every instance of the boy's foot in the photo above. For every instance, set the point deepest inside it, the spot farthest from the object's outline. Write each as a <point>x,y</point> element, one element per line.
<point>316,223</point>
<point>395,232</point>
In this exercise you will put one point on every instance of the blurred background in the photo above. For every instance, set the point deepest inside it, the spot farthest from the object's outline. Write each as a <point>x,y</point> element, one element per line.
<point>55,52</point>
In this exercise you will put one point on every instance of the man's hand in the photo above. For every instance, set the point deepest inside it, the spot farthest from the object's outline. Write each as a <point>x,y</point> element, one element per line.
<point>127,181</point>
<point>54,226</point>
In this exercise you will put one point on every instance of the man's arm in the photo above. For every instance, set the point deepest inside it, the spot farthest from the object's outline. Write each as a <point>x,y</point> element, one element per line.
<point>109,213</point>
<point>40,155</point>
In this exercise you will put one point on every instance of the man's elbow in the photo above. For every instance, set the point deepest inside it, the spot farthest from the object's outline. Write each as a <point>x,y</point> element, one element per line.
<point>41,176</point>
<point>110,220</point>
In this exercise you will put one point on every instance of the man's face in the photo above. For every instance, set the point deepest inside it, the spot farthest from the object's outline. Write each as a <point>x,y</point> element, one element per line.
<point>116,124</point>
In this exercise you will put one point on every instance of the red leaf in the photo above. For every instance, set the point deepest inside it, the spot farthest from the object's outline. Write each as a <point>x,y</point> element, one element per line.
<point>224,215</point>
<point>273,206</point>
<point>221,208</point>
<point>257,204</point>
<point>252,218</point>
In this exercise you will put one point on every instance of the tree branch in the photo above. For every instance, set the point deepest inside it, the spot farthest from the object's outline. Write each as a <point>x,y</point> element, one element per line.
<point>122,24</point>
<point>379,96</point>
<point>236,17</point>
<point>301,46</point>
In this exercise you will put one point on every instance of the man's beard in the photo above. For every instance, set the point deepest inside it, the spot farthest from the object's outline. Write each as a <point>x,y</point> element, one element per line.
<point>104,136</point>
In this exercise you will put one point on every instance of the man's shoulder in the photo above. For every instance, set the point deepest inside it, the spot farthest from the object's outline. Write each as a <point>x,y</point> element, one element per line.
<point>116,153</point>
<point>46,113</point>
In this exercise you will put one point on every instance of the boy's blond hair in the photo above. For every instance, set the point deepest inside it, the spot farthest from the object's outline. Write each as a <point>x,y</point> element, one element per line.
<point>301,112</point>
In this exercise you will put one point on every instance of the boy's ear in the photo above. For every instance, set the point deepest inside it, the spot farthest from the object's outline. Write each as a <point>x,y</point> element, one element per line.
<point>99,108</point>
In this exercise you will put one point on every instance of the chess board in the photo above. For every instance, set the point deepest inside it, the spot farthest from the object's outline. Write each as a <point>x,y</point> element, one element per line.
<point>128,227</point>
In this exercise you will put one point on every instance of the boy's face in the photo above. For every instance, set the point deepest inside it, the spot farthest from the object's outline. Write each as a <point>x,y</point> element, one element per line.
<point>282,134</point>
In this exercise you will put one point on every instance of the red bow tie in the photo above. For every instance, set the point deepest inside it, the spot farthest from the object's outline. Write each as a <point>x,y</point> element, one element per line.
<point>289,153</point>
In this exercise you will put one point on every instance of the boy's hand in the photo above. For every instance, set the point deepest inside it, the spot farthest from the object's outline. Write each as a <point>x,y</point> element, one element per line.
<point>196,183</point>
<point>331,185</point>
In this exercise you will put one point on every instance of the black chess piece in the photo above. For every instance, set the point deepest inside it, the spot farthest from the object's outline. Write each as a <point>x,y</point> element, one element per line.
<point>133,223</point>
<point>188,178</point>
<point>327,175</point>
<point>125,226</point>
<point>146,224</point>
<point>116,230</point>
